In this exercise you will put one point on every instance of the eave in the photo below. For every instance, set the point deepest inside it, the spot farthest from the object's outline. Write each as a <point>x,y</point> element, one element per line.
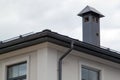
<point>52,37</point>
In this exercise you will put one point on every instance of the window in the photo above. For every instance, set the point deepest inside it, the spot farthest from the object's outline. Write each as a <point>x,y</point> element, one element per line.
<point>17,71</point>
<point>90,74</point>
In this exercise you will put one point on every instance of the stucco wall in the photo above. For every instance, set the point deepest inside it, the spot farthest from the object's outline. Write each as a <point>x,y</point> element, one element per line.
<point>31,65</point>
<point>72,68</point>
<point>42,63</point>
<point>29,54</point>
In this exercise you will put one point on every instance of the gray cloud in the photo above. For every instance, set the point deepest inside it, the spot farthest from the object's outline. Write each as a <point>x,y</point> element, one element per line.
<point>23,16</point>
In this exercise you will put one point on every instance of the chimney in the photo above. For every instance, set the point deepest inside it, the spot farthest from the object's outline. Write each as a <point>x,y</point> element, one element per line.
<point>91,25</point>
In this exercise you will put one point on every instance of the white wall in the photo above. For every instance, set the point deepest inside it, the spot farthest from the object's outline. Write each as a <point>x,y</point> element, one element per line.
<point>72,68</point>
<point>47,64</point>
<point>29,54</point>
<point>42,63</point>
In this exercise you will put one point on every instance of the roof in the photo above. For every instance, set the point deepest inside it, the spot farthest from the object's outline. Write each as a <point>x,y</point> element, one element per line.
<point>53,37</point>
<point>90,9</point>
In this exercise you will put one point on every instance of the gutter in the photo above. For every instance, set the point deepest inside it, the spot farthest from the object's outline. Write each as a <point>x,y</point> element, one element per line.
<point>61,59</point>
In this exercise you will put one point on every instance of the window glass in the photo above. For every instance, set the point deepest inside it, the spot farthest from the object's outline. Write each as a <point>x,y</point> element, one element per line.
<point>93,75</point>
<point>89,74</point>
<point>84,74</point>
<point>22,69</point>
<point>10,72</point>
<point>14,71</point>
<point>17,71</point>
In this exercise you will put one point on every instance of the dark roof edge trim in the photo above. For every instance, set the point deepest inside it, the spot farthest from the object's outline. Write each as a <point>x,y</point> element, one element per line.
<point>48,36</point>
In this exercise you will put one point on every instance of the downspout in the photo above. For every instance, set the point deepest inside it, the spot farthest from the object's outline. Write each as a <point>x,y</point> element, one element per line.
<point>61,59</point>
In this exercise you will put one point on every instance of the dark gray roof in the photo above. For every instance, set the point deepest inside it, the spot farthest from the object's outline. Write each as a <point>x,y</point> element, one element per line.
<point>49,36</point>
<point>90,9</point>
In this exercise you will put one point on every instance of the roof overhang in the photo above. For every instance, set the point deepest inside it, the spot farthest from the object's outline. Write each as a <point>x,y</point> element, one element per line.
<point>52,37</point>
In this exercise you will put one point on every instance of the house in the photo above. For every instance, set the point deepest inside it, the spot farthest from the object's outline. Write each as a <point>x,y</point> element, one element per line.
<point>48,55</point>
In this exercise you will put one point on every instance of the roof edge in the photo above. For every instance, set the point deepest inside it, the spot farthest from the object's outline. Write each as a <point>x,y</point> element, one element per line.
<point>49,36</point>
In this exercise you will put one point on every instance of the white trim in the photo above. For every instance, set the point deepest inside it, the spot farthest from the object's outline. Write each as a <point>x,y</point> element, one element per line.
<point>92,69</point>
<point>92,66</point>
<point>15,61</point>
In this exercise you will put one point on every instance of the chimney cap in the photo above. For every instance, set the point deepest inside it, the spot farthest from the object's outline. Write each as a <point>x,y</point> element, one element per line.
<point>88,9</point>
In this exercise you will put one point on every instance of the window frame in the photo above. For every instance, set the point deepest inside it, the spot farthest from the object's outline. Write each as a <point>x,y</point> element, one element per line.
<point>92,69</point>
<point>14,60</point>
<point>12,65</point>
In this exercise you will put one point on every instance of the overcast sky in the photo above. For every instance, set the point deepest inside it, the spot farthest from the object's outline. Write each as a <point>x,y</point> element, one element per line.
<point>24,16</point>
